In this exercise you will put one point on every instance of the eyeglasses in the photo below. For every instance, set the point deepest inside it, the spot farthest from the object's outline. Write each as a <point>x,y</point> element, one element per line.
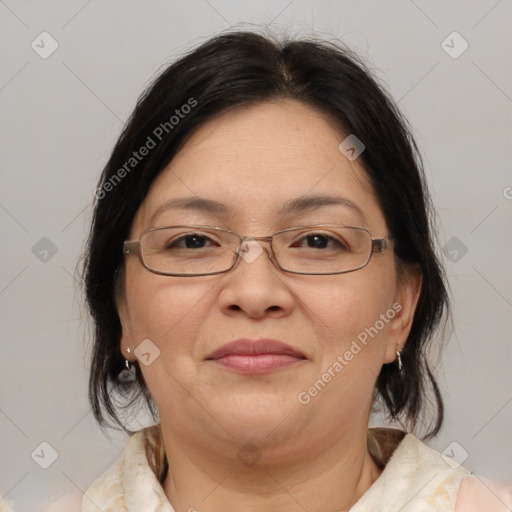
<point>208,250</point>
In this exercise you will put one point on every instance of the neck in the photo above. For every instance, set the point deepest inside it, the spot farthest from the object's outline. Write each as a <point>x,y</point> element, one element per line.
<point>329,479</point>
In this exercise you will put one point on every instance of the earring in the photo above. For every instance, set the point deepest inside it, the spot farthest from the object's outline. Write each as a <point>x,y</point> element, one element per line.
<point>398,352</point>
<point>127,363</point>
<point>128,374</point>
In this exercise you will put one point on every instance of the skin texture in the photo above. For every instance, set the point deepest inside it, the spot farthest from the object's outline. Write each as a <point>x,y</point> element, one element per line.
<point>314,456</point>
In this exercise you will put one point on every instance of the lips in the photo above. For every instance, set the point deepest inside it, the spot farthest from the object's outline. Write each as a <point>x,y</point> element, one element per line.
<point>256,356</point>
<point>249,347</point>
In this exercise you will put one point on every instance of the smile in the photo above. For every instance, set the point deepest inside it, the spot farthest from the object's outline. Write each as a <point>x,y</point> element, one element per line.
<point>256,364</point>
<point>256,356</point>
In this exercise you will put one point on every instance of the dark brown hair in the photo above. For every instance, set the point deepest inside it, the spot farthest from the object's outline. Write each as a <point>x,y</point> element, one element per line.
<point>242,68</point>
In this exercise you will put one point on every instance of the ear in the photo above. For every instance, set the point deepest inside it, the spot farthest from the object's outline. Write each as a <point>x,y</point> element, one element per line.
<point>406,300</point>
<point>126,330</point>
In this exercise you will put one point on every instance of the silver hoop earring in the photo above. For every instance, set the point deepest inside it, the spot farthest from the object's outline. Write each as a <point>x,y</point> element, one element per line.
<point>127,363</point>
<point>398,352</point>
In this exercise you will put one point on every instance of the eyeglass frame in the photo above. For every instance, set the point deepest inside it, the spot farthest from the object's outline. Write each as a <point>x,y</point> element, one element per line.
<point>379,245</point>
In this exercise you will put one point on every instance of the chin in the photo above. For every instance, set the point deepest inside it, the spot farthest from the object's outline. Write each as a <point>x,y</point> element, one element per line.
<point>261,419</point>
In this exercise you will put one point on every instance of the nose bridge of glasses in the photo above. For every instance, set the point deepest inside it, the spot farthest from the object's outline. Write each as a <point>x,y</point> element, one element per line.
<point>257,238</point>
<point>250,244</point>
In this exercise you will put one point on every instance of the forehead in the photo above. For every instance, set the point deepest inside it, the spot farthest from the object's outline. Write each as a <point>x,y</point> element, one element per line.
<point>257,159</point>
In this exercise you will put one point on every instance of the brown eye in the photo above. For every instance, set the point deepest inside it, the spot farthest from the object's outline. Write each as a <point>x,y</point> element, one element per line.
<point>188,241</point>
<point>320,241</point>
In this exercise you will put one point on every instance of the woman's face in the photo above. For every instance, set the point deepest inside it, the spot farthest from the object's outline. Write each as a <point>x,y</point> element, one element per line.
<point>254,160</point>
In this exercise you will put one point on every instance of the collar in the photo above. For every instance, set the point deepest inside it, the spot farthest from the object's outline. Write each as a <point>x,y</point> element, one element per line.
<point>414,477</point>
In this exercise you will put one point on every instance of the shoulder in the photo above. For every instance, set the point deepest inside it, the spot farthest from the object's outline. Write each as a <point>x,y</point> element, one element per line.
<point>132,479</point>
<point>414,477</point>
<point>106,491</point>
<point>477,494</point>
<point>5,507</point>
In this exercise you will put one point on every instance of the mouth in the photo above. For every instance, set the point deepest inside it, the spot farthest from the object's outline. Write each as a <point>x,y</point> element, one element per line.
<point>256,356</point>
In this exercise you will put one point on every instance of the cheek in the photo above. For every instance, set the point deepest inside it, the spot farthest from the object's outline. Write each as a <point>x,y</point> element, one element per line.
<point>169,312</point>
<point>347,322</point>
<point>349,309</point>
<point>164,309</point>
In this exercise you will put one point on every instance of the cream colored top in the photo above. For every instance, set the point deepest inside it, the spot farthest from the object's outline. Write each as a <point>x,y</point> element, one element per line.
<point>415,478</point>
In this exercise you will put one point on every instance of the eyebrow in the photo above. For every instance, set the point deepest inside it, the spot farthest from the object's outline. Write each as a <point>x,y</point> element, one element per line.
<point>293,206</point>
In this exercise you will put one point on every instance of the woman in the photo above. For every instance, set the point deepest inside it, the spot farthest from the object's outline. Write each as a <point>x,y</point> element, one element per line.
<point>261,270</point>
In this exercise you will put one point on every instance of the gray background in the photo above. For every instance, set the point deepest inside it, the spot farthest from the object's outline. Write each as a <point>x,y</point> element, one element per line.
<point>60,116</point>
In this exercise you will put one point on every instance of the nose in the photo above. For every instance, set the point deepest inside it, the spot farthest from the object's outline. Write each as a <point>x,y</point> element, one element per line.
<point>255,285</point>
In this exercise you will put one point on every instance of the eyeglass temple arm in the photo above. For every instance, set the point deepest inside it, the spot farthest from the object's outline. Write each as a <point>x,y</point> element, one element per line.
<point>381,245</point>
<point>130,247</point>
